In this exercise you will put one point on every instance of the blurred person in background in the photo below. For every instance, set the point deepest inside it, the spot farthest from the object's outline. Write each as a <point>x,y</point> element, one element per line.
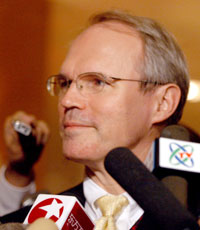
<point>23,151</point>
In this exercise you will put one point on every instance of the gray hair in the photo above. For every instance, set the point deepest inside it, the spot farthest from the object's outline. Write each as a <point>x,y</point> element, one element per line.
<point>164,62</point>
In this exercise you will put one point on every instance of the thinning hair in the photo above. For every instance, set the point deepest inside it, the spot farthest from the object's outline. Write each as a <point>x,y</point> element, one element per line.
<point>164,62</point>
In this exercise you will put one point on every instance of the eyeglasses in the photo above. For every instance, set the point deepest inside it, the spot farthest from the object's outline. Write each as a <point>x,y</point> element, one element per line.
<point>87,83</point>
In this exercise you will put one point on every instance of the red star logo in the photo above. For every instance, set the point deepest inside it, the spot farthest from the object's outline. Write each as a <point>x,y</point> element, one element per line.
<point>51,208</point>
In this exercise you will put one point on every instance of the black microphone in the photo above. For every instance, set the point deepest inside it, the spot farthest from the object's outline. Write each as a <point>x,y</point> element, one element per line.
<point>178,132</point>
<point>182,183</point>
<point>177,146</point>
<point>158,203</point>
<point>177,184</point>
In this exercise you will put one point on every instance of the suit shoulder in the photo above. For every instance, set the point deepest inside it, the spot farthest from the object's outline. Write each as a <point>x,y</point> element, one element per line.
<point>76,191</point>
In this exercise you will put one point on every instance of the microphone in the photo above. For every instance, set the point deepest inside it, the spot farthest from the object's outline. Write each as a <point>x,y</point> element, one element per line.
<point>29,199</point>
<point>176,132</point>
<point>187,190</point>
<point>175,152</point>
<point>161,207</point>
<point>44,224</point>
<point>177,184</point>
<point>176,163</point>
<point>65,211</point>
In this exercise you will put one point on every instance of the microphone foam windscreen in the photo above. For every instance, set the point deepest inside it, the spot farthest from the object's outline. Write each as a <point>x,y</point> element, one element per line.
<point>152,196</point>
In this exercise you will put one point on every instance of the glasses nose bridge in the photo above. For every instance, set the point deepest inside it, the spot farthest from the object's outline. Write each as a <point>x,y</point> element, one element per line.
<point>72,98</point>
<point>72,85</point>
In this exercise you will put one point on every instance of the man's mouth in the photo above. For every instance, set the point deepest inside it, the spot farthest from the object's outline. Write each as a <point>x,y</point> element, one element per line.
<point>71,125</point>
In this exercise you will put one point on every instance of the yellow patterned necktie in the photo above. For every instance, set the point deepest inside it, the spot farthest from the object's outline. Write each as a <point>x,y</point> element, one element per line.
<point>110,206</point>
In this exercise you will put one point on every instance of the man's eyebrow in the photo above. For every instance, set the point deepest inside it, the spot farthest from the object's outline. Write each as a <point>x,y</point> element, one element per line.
<point>63,75</point>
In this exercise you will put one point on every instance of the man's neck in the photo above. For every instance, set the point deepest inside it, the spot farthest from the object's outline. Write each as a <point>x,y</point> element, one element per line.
<point>101,177</point>
<point>105,181</point>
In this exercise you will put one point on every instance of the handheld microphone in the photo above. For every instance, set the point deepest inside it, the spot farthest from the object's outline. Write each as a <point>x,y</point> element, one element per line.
<point>29,199</point>
<point>175,152</point>
<point>177,161</point>
<point>154,198</point>
<point>65,211</point>
<point>177,184</point>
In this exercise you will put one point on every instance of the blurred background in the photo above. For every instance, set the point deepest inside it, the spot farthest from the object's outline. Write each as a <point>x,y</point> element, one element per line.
<point>34,37</point>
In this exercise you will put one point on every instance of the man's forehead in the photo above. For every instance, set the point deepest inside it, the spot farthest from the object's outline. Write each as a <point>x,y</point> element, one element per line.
<point>106,42</point>
<point>107,34</point>
<point>112,25</point>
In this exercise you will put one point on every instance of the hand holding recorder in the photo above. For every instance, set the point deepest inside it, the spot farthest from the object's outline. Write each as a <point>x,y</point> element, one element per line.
<point>25,137</point>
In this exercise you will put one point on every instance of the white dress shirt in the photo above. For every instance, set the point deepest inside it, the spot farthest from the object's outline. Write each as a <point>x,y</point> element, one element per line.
<point>10,195</point>
<point>130,214</point>
<point>125,220</point>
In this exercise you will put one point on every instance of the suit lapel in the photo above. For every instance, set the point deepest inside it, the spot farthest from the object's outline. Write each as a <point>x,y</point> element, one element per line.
<point>76,191</point>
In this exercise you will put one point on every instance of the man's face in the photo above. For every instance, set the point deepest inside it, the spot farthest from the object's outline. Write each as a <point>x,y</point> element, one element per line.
<point>119,115</point>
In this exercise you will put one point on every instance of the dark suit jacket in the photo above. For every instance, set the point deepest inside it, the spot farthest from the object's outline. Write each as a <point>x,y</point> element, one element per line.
<point>147,222</point>
<point>19,215</point>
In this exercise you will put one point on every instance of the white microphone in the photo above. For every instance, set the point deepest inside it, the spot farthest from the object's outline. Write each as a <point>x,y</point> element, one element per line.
<point>65,211</point>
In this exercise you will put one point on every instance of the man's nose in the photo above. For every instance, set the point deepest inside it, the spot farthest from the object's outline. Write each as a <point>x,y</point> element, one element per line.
<point>72,97</point>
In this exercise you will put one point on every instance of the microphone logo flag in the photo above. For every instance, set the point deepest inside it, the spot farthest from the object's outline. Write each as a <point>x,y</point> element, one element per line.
<point>178,155</point>
<point>65,211</point>
<point>181,154</point>
<point>51,208</point>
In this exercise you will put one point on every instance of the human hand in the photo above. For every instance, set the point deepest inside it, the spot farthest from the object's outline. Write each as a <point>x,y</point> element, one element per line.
<point>24,151</point>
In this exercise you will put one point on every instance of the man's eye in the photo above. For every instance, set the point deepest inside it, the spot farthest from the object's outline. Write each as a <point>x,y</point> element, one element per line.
<point>97,81</point>
<point>63,83</point>
<point>92,81</point>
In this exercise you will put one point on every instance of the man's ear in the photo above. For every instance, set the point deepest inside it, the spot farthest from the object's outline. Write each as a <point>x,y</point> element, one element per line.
<point>166,100</point>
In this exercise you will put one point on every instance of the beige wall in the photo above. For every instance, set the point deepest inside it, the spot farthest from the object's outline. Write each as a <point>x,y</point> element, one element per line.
<point>33,42</point>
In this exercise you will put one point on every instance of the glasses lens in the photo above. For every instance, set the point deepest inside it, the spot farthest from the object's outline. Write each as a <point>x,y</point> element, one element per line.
<point>90,83</point>
<point>56,85</point>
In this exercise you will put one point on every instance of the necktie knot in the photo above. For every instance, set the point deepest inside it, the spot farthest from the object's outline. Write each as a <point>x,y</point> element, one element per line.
<point>110,206</point>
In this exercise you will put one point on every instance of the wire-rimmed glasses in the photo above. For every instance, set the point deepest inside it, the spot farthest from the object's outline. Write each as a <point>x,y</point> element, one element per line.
<point>87,83</point>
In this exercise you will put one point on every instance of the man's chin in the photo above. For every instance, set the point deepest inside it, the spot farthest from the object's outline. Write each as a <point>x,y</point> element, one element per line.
<point>74,156</point>
<point>71,158</point>
<point>82,159</point>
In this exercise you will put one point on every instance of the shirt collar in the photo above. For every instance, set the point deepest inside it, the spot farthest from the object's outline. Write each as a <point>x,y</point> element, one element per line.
<point>92,192</point>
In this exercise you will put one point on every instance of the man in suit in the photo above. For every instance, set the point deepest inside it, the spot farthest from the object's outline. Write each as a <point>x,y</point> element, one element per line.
<point>124,79</point>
